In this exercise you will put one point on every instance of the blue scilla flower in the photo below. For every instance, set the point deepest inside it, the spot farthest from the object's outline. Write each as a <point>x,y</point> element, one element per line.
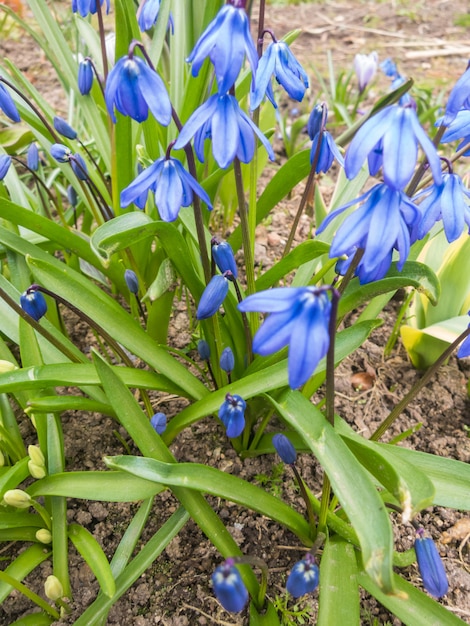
<point>389,68</point>
<point>229,588</point>
<point>385,220</point>
<point>231,129</point>
<point>328,149</point>
<point>148,13</point>
<point>5,162</point>
<point>365,66</point>
<point>64,128</point>
<point>33,303</point>
<point>459,97</point>
<point>172,185</point>
<point>284,448</point>
<point>7,105</point>
<point>32,157</point>
<point>430,566</point>
<point>227,360</point>
<point>303,577</point>
<point>133,88</point>
<point>279,61</point>
<point>204,350</point>
<point>132,281</point>
<point>458,129</point>
<point>447,202</point>
<point>158,423</point>
<point>85,7</point>
<point>397,131</point>
<point>223,256</point>
<point>213,296</point>
<point>299,318</point>
<point>85,77</point>
<point>225,41</point>
<point>61,153</point>
<point>79,166</point>
<point>232,415</point>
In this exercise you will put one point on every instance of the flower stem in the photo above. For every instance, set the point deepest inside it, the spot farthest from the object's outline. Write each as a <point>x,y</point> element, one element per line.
<point>422,168</point>
<point>306,498</point>
<point>104,56</point>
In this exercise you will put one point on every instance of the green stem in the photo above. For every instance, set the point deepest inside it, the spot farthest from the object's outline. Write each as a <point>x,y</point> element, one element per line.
<point>305,496</point>
<point>102,39</point>
<point>422,168</point>
<point>245,228</point>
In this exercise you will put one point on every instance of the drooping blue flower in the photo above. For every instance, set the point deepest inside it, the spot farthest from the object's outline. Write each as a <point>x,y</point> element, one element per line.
<point>232,415</point>
<point>304,577</point>
<point>204,350</point>
<point>397,131</point>
<point>223,256</point>
<point>33,303</point>
<point>365,66</point>
<point>299,318</point>
<point>147,15</point>
<point>447,202</point>
<point>225,41</point>
<point>85,77</point>
<point>458,129</point>
<point>230,128</point>
<point>158,422</point>
<point>85,7</point>
<point>430,566</point>
<point>5,162</point>
<point>284,448</point>
<point>389,68</point>
<point>212,297</point>
<point>133,88</point>
<point>132,281</point>
<point>64,128</point>
<point>61,153</point>
<point>172,185</point>
<point>79,166</point>
<point>7,105</point>
<point>279,61</point>
<point>329,151</point>
<point>72,196</point>
<point>227,360</point>
<point>459,97</point>
<point>32,157</point>
<point>229,588</point>
<point>386,220</point>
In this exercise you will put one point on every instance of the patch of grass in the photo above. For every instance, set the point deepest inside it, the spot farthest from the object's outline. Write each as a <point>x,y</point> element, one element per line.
<point>274,482</point>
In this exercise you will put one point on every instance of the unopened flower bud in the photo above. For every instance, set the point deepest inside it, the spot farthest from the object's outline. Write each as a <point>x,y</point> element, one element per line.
<point>204,350</point>
<point>7,366</point>
<point>213,296</point>
<point>17,498</point>
<point>158,422</point>
<point>64,128</point>
<point>43,535</point>
<point>36,471</point>
<point>32,157</point>
<point>5,162</point>
<point>284,448</point>
<point>430,566</point>
<point>33,303</point>
<point>85,77</point>
<point>224,257</point>
<point>227,360</point>
<point>132,281</point>
<point>53,588</point>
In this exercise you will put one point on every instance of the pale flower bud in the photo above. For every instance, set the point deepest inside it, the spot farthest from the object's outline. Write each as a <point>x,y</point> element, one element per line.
<point>43,535</point>
<point>36,471</point>
<point>36,455</point>
<point>7,366</point>
<point>17,498</point>
<point>53,588</point>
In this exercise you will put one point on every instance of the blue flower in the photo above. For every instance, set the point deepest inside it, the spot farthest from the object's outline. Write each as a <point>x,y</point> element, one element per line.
<point>328,148</point>
<point>430,566</point>
<point>231,129</point>
<point>303,577</point>
<point>5,162</point>
<point>299,318</point>
<point>64,128</point>
<point>133,88</point>
<point>229,588</point>
<point>225,41</point>
<point>232,415</point>
<point>464,349</point>
<point>172,185</point>
<point>389,68</point>
<point>72,196</point>
<point>386,220</point>
<point>61,153</point>
<point>227,360</point>
<point>365,66</point>
<point>132,281</point>
<point>279,60</point>
<point>284,448</point>
<point>85,7</point>
<point>397,131</point>
<point>85,77</point>
<point>212,297</point>
<point>223,256</point>
<point>7,105</point>
<point>446,202</point>
<point>204,350</point>
<point>458,129</point>
<point>148,13</point>
<point>79,166</point>
<point>459,97</point>
<point>33,303</point>
<point>32,157</point>
<point>158,423</point>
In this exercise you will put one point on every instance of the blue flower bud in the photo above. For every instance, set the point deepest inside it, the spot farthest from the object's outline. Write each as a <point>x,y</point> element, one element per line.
<point>158,422</point>
<point>132,281</point>
<point>5,162</point>
<point>8,106</point>
<point>79,166</point>
<point>72,196</point>
<point>315,121</point>
<point>63,128</point>
<point>232,415</point>
<point>85,77</point>
<point>213,296</point>
<point>229,588</point>
<point>430,566</point>
<point>303,577</point>
<point>61,153</point>
<point>33,303</point>
<point>32,157</point>
<point>227,360</point>
<point>224,257</point>
<point>204,350</point>
<point>284,448</point>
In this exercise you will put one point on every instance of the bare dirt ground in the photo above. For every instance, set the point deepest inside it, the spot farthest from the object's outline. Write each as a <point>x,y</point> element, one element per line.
<point>430,42</point>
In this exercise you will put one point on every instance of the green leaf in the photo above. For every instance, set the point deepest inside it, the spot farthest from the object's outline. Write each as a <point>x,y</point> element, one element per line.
<point>217,483</point>
<point>351,484</point>
<point>94,556</point>
<point>268,616</point>
<point>23,565</point>
<point>339,590</point>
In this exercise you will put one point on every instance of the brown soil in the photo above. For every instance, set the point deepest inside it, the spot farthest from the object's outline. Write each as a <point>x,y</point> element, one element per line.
<point>430,46</point>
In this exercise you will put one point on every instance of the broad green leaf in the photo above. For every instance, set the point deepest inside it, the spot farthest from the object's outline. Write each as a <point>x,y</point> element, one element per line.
<point>23,564</point>
<point>350,482</point>
<point>13,476</point>
<point>217,483</point>
<point>121,232</point>
<point>59,404</point>
<point>339,590</point>
<point>94,556</point>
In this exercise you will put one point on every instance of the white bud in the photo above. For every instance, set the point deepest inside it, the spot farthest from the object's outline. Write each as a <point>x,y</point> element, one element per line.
<point>17,498</point>
<point>53,588</point>
<point>43,535</point>
<point>7,366</point>
<point>36,455</point>
<point>36,471</point>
